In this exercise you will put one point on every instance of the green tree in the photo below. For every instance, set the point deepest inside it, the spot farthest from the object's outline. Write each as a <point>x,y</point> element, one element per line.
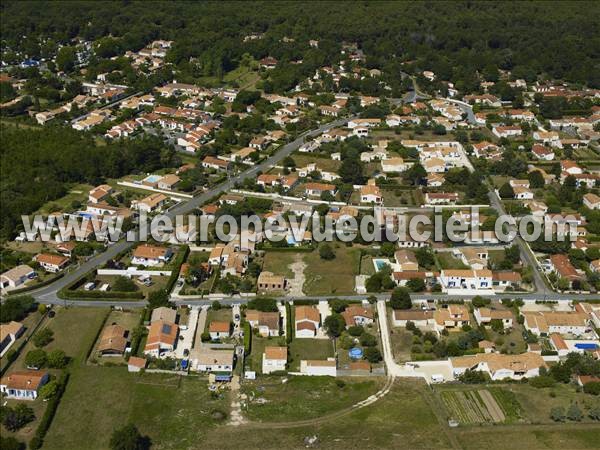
<point>49,390</point>
<point>368,340</point>
<point>593,388</point>
<point>65,59</point>
<point>10,443</point>
<point>558,414</point>
<point>536,179</point>
<point>43,337</point>
<point>57,359</point>
<point>36,358</point>
<point>400,298</point>
<point>335,325</point>
<point>158,298</point>
<point>416,285</point>
<point>16,418</point>
<point>506,191</point>
<point>373,355</point>
<point>128,437</point>
<point>326,252</point>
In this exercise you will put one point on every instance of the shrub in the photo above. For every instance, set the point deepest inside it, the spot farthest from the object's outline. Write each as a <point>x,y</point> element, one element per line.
<point>592,388</point>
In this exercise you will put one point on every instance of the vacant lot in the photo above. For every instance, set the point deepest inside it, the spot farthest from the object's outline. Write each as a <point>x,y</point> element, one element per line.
<point>174,412</point>
<point>308,349</point>
<point>279,262</point>
<point>449,262</point>
<point>301,398</point>
<point>327,164</point>
<point>334,276</point>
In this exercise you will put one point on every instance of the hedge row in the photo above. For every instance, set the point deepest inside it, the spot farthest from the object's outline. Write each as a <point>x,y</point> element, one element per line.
<point>179,260</point>
<point>66,293</point>
<point>289,328</point>
<point>247,337</point>
<point>38,440</point>
<point>286,249</point>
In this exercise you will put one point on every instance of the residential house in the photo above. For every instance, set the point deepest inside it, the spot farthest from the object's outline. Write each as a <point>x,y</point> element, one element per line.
<point>51,263</point>
<point>370,193</point>
<point>274,359</point>
<point>165,314</point>
<point>162,337</point>
<point>392,165</point>
<point>100,193</point>
<point>406,261</point>
<point>468,279</point>
<point>316,189</point>
<point>9,333</point>
<point>499,366</point>
<point>543,153</point>
<point>484,316</point>
<point>318,367</point>
<point>506,279</point>
<point>563,268</point>
<point>507,131</point>
<point>307,321</point>
<point>454,316</point>
<point>441,198</point>
<point>16,276</point>
<point>210,162</point>
<point>591,201</point>
<point>420,318</point>
<point>207,359</point>
<point>150,204</point>
<point>267,323</point>
<point>23,384</point>
<point>151,255</point>
<point>357,315</point>
<point>113,341</point>
<point>544,323</point>
<point>219,329</point>
<point>168,182</point>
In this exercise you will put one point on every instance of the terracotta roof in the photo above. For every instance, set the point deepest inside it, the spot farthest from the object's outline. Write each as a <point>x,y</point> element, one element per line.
<point>497,361</point>
<point>219,327</point>
<point>24,380</point>
<point>161,332</point>
<point>558,342</point>
<point>12,328</point>
<point>412,314</point>
<point>359,365</point>
<point>113,338</point>
<point>137,362</point>
<point>306,312</point>
<point>276,353</point>
<point>47,258</point>
<point>149,251</point>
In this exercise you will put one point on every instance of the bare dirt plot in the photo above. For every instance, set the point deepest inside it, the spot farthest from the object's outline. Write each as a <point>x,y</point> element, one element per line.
<point>492,406</point>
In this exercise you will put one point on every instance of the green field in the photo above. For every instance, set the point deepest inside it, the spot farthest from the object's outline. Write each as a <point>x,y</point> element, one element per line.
<point>335,276</point>
<point>279,262</point>
<point>174,412</point>
<point>449,262</point>
<point>308,349</point>
<point>301,398</point>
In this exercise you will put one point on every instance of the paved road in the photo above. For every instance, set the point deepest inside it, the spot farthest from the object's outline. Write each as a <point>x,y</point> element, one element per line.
<point>47,294</point>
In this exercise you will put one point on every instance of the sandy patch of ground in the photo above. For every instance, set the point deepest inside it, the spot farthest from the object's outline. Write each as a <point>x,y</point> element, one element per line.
<point>297,282</point>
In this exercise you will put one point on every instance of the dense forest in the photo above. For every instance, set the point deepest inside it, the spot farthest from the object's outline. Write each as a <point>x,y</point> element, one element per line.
<point>454,39</point>
<point>38,165</point>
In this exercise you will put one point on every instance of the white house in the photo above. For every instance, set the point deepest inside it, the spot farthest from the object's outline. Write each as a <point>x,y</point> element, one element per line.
<point>544,323</point>
<point>484,316</point>
<point>219,330</point>
<point>318,367</point>
<point>274,359</point>
<point>23,385</point>
<point>16,276</point>
<point>468,279</point>
<point>499,366</point>
<point>207,359</point>
<point>151,255</point>
<point>394,165</point>
<point>307,321</point>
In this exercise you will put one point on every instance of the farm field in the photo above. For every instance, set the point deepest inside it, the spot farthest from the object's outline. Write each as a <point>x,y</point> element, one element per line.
<point>475,406</point>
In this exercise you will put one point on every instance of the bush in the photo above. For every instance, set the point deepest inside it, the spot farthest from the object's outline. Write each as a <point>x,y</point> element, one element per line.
<point>592,388</point>
<point>326,252</point>
<point>356,330</point>
<point>43,337</point>
<point>36,358</point>
<point>373,355</point>
<point>368,340</point>
<point>558,414</point>
<point>542,381</point>
<point>57,359</point>
<point>16,418</point>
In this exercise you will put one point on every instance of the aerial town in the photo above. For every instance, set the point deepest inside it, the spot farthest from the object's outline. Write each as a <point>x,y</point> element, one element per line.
<point>468,339</point>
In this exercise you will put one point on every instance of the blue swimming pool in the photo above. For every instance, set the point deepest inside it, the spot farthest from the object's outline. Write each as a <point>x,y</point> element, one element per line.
<point>152,178</point>
<point>586,346</point>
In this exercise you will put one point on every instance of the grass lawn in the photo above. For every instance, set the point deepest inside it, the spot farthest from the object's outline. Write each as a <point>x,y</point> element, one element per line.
<point>447,261</point>
<point>302,398</point>
<point>401,419</point>
<point>308,349</point>
<point>335,276</point>
<point>74,332</point>
<point>401,341</point>
<point>77,193</point>
<point>510,342</point>
<point>158,282</point>
<point>219,315</point>
<point>29,323</point>
<point>324,163</point>
<point>279,262</point>
<point>174,412</point>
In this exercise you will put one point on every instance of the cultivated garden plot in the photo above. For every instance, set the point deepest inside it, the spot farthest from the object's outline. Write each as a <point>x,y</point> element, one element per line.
<point>473,407</point>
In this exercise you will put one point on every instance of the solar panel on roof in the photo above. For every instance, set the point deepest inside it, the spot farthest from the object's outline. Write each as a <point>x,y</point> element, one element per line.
<point>166,329</point>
